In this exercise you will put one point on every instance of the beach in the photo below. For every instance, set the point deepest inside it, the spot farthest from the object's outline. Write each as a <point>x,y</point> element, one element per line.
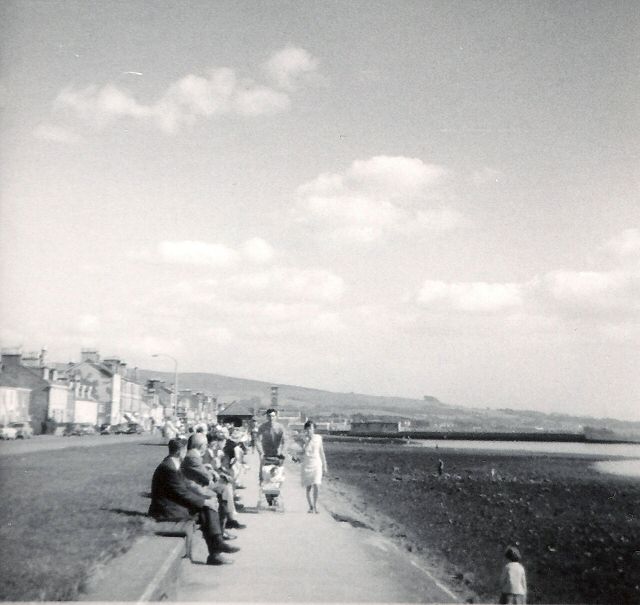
<point>577,529</point>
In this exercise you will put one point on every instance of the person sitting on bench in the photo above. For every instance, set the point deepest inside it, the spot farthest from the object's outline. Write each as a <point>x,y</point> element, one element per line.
<point>173,500</point>
<point>206,482</point>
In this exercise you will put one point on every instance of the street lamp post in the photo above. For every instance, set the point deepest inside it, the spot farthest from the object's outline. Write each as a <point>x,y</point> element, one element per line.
<point>175,381</point>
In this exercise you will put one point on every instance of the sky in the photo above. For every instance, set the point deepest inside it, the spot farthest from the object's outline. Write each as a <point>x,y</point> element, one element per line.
<point>385,197</point>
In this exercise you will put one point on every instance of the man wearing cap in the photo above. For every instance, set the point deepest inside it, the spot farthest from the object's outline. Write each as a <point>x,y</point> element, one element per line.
<point>173,500</point>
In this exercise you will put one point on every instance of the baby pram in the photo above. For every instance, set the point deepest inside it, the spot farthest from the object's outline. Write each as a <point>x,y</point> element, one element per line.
<point>272,478</point>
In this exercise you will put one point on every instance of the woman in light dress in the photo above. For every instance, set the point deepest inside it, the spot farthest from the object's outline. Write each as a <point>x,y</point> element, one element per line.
<point>314,464</point>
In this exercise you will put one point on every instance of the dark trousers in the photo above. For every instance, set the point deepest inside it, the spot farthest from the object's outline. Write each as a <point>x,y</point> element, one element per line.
<point>210,528</point>
<point>223,513</point>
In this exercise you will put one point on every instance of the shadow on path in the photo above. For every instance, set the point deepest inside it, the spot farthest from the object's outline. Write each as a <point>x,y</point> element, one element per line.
<point>128,513</point>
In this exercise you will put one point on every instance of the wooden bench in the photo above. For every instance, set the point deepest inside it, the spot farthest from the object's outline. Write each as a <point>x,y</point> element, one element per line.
<point>177,529</point>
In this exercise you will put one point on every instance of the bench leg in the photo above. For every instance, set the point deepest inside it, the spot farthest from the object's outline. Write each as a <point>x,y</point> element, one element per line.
<point>188,542</point>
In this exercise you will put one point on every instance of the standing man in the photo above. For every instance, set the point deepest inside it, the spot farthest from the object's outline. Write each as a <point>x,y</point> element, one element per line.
<point>271,436</point>
<point>173,500</point>
<point>271,441</point>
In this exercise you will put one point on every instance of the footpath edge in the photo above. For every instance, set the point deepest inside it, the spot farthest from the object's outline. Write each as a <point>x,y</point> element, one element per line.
<point>148,571</point>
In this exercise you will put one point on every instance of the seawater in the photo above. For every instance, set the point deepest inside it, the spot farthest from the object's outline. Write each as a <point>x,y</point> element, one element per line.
<point>629,467</point>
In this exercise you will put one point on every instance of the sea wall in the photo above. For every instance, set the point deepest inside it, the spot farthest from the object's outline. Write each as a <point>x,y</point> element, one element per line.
<point>465,435</point>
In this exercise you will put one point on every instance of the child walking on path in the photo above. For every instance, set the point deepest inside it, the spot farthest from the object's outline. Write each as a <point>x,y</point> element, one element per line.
<point>513,581</point>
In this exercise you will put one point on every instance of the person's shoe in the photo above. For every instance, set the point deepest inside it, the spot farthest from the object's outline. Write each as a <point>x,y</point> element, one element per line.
<point>239,506</point>
<point>235,524</point>
<point>218,559</point>
<point>224,547</point>
<point>226,536</point>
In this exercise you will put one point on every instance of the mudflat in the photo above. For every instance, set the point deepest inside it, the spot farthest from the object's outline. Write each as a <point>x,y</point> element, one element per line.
<point>578,530</point>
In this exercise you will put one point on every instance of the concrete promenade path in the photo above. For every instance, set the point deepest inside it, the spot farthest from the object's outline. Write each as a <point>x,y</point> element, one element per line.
<point>300,557</point>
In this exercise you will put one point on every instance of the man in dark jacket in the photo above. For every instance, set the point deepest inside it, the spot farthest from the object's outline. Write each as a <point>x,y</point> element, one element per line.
<point>173,500</point>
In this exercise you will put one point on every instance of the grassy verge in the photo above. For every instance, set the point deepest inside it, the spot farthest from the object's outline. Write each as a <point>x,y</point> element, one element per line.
<point>578,531</point>
<point>63,512</point>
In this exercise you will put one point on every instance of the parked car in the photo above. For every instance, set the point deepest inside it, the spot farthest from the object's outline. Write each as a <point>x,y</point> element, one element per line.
<point>134,429</point>
<point>106,429</point>
<point>71,430</point>
<point>120,429</point>
<point>7,432</point>
<point>78,429</point>
<point>24,429</point>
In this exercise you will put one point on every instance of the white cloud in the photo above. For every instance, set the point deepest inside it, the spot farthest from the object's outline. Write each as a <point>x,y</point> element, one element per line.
<point>289,283</point>
<point>380,177</point>
<point>597,290</point>
<point>394,177</point>
<point>290,66</point>
<point>602,299</point>
<point>101,105</point>
<point>258,250</point>
<point>194,96</point>
<point>625,246</point>
<point>255,250</point>
<point>613,294</point>
<point>56,134</point>
<point>374,197</point>
<point>352,217</point>
<point>196,253</point>
<point>252,100</point>
<point>471,296</point>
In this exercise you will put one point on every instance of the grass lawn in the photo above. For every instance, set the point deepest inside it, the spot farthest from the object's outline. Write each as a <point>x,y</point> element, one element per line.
<point>65,511</point>
<point>578,530</point>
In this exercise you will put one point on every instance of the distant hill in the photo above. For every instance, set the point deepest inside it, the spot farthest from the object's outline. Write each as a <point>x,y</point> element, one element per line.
<point>311,401</point>
<point>432,412</point>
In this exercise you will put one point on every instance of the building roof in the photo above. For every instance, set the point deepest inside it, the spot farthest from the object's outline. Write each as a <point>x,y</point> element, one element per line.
<point>23,376</point>
<point>97,365</point>
<point>237,409</point>
<point>6,380</point>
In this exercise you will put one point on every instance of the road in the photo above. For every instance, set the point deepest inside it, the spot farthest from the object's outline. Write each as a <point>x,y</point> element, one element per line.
<point>42,443</point>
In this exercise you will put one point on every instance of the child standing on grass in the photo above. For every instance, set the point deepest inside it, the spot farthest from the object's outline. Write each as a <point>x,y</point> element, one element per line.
<point>513,581</point>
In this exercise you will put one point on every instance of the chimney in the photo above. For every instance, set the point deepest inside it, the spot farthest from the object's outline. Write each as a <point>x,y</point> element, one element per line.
<point>274,397</point>
<point>91,355</point>
<point>11,358</point>
<point>31,360</point>
<point>115,365</point>
<point>43,356</point>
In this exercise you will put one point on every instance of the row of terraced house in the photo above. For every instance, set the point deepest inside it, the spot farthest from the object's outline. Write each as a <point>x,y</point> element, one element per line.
<point>92,391</point>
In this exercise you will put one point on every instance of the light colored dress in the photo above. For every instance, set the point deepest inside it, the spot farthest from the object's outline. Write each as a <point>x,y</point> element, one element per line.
<point>312,461</point>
